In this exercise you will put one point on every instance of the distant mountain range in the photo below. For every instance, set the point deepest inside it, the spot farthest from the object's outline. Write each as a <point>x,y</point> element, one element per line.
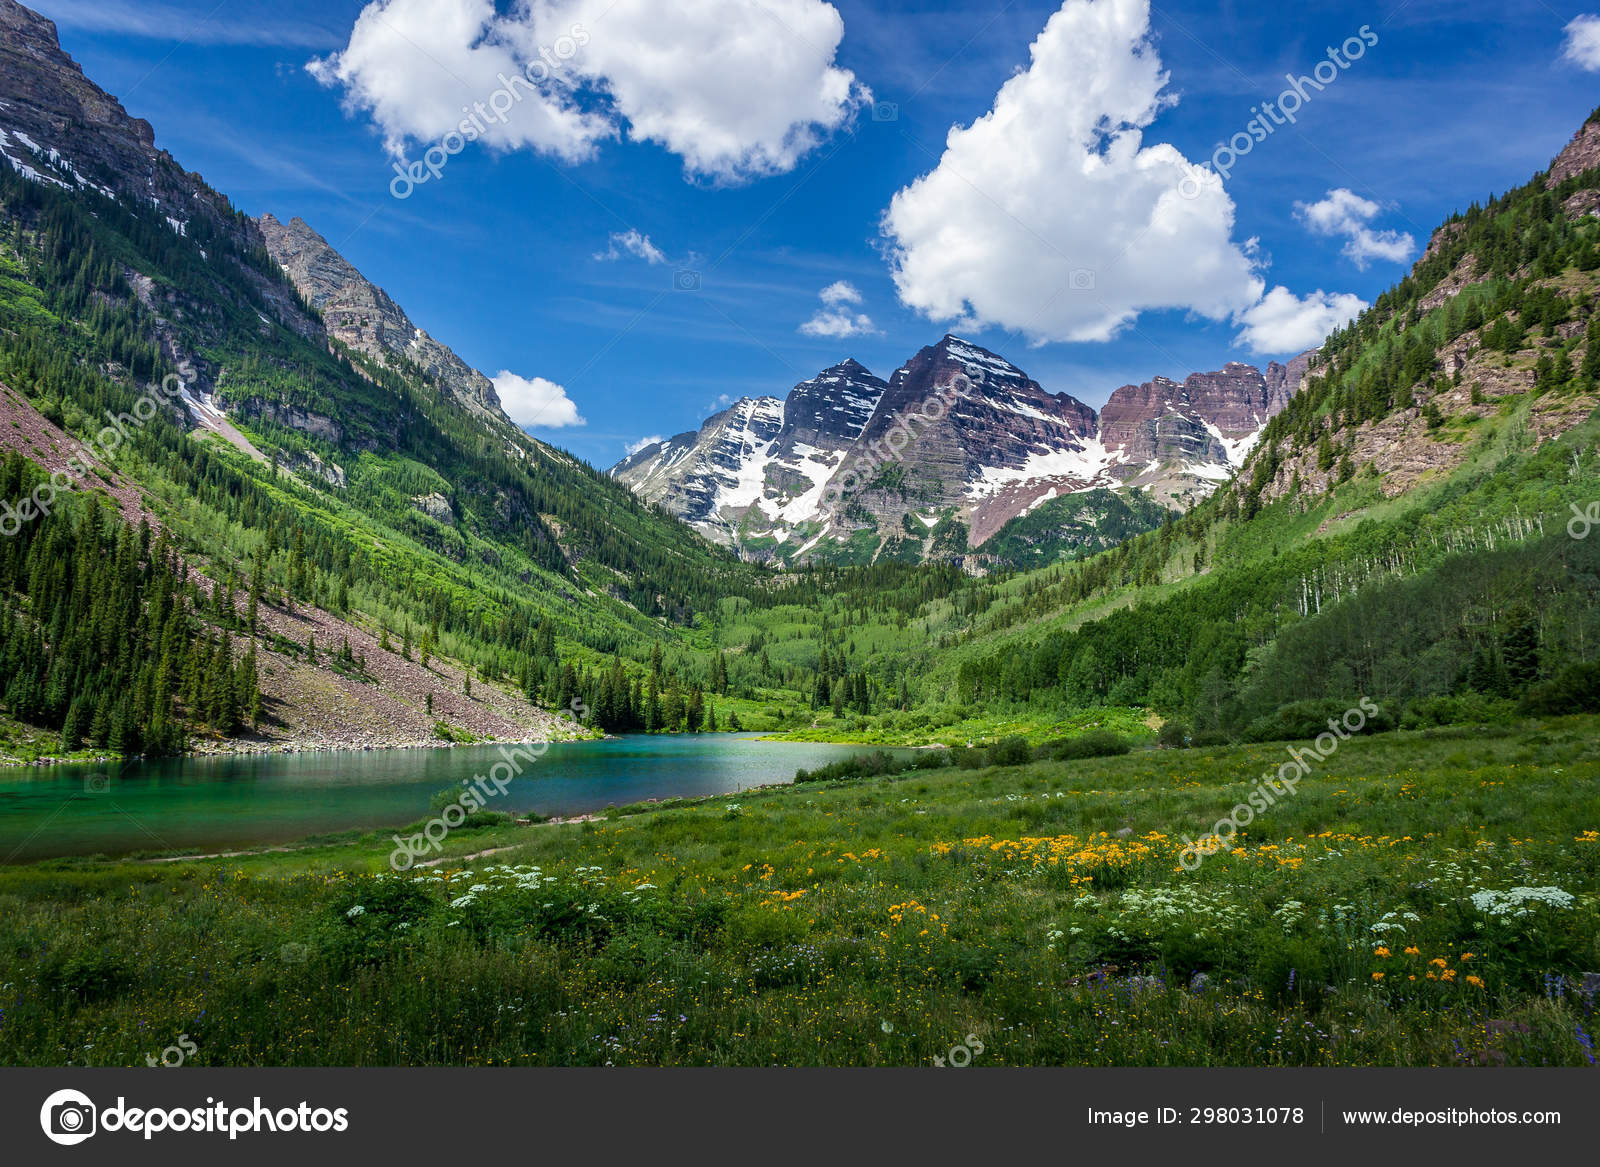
<point>936,461</point>
<point>1391,517</point>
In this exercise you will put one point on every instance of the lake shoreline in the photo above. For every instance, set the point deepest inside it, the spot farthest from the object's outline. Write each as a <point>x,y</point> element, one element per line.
<point>245,748</point>
<point>239,802</point>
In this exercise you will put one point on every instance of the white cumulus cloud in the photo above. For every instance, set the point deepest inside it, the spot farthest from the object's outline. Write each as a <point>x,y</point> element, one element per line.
<point>838,293</point>
<point>635,447</point>
<point>632,242</point>
<point>837,318</point>
<point>1343,213</point>
<point>535,402</point>
<point>1051,215</point>
<point>1286,323</point>
<point>417,67</point>
<point>736,88</point>
<point>1582,46</point>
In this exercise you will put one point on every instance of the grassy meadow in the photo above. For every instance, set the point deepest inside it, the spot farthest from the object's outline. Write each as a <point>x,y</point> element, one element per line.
<point>1424,898</point>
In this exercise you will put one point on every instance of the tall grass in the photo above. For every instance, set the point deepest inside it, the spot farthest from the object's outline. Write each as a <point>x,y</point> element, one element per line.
<point>1041,906</point>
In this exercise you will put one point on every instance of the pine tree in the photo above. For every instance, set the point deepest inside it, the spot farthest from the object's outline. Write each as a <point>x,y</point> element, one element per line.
<point>1520,649</point>
<point>1589,371</point>
<point>672,709</point>
<point>73,728</point>
<point>246,687</point>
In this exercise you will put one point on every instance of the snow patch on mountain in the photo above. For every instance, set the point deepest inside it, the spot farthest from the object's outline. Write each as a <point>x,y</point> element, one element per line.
<point>1087,465</point>
<point>957,430</point>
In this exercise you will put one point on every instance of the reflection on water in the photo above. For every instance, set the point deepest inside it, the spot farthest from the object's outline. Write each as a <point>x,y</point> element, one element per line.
<point>249,800</point>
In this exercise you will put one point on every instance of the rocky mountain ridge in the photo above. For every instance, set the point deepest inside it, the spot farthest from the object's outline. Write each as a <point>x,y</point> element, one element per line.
<point>936,461</point>
<point>60,129</point>
<point>363,316</point>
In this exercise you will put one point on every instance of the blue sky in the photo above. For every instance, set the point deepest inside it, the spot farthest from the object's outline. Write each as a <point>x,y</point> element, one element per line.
<point>499,256</point>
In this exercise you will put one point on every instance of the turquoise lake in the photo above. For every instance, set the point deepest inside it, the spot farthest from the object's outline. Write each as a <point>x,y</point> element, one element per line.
<point>188,804</point>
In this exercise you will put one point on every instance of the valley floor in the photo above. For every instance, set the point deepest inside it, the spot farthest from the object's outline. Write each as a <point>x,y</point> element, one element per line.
<point>1420,898</point>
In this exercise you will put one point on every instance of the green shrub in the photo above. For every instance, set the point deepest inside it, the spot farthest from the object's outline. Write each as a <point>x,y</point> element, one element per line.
<point>861,766</point>
<point>1462,709</point>
<point>1576,689</point>
<point>1173,736</point>
<point>1010,751</point>
<point>1307,719</point>
<point>86,977</point>
<point>1097,743</point>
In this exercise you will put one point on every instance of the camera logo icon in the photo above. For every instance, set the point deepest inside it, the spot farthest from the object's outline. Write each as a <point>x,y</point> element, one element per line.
<point>885,111</point>
<point>295,953</point>
<point>68,1117</point>
<point>1081,280</point>
<point>97,784</point>
<point>686,281</point>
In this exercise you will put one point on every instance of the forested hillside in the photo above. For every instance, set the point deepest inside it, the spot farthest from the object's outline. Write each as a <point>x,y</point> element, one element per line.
<point>1400,531</point>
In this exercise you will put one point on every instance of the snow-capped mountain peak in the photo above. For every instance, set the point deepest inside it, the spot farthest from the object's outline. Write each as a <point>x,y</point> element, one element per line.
<point>959,437</point>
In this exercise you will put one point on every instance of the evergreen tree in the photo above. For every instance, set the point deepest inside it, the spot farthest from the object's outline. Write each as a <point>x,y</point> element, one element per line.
<point>1520,649</point>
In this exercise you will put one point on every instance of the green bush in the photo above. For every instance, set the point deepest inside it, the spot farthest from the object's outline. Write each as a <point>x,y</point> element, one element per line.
<point>1462,709</point>
<point>1307,719</point>
<point>1576,689</point>
<point>861,766</point>
<point>86,977</point>
<point>1173,736</point>
<point>1097,743</point>
<point>1010,751</point>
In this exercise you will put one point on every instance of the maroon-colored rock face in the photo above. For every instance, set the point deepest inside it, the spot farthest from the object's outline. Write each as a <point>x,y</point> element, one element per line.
<point>958,431</point>
<point>1284,381</point>
<point>961,428</point>
<point>829,411</point>
<point>966,409</point>
<point>1198,420</point>
<point>1157,422</point>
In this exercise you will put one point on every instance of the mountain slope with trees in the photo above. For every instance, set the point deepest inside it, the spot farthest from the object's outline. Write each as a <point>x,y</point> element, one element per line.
<point>1399,531</point>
